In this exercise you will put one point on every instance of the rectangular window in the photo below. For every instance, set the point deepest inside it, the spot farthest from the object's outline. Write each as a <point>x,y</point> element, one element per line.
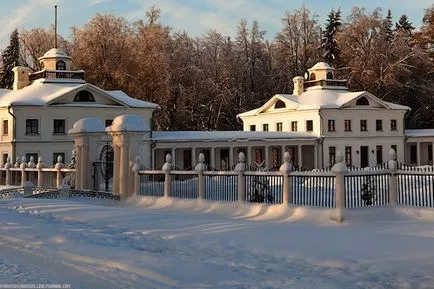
<point>108,122</point>
<point>332,155</point>
<point>265,127</point>
<point>34,155</point>
<point>379,154</point>
<point>363,125</point>
<point>5,127</point>
<point>279,126</point>
<point>252,127</point>
<point>5,158</point>
<point>59,126</point>
<point>293,126</point>
<point>393,124</point>
<point>56,155</point>
<point>331,125</point>
<point>309,125</point>
<point>379,125</point>
<point>347,125</point>
<point>32,126</point>
<point>348,156</point>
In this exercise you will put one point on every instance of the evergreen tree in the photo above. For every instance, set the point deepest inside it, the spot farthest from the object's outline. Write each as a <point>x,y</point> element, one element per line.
<point>10,59</point>
<point>329,43</point>
<point>404,26</point>
<point>388,26</point>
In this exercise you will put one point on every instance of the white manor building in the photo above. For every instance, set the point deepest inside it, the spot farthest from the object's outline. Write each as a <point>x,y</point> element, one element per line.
<point>320,118</point>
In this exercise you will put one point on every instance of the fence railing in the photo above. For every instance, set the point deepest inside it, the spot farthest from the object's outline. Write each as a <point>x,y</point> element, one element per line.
<point>339,187</point>
<point>364,188</point>
<point>38,174</point>
<point>264,187</point>
<point>221,186</point>
<point>152,183</point>
<point>313,189</point>
<point>416,187</point>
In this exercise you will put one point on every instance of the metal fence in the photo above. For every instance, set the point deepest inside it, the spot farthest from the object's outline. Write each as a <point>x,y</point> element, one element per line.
<point>103,176</point>
<point>416,187</point>
<point>184,184</point>
<point>221,187</point>
<point>316,188</point>
<point>152,184</point>
<point>264,187</point>
<point>313,190</point>
<point>366,189</point>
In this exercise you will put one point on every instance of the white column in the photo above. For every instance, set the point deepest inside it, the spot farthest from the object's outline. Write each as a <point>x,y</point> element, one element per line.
<point>339,169</point>
<point>249,156</point>
<point>84,167</point>
<point>173,155</point>
<point>193,157</point>
<point>231,157</point>
<point>300,162</point>
<point>123,171</point>
<point>153,152</point>
<point>78,166</point>
<point>212,157</point>
<point>116,165</point>
<point>267,157</point>
<point>418,154</point>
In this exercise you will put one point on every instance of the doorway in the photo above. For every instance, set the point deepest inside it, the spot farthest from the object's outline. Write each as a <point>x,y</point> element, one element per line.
<point>413,154</point>
<point>364,156</point>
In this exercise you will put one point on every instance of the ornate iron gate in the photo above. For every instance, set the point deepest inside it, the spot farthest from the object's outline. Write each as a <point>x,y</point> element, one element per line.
<point>103,169</point>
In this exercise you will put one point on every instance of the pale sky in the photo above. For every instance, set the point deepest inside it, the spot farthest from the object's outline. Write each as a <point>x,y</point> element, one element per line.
<point>193,16</point>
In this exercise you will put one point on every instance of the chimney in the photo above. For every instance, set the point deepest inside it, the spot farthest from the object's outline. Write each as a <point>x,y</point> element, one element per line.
<point>298,85</point>
<point>21,77</point>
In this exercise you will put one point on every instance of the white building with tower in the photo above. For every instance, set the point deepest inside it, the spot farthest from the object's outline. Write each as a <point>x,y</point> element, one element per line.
<point>320,118</point>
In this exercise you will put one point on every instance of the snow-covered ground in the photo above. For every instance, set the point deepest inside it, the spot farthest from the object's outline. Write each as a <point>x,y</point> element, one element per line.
<point>160,243</point>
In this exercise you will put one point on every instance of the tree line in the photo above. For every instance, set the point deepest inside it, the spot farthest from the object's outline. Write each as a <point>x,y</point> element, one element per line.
<point>202,83</point>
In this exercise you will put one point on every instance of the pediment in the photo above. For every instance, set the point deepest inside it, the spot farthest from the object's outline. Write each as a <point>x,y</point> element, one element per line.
<point>86,95</point>
<point>276,104</point>
<point>365,101</point>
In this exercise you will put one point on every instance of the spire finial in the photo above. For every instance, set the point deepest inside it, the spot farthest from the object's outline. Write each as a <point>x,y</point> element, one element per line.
<point>55,26</point>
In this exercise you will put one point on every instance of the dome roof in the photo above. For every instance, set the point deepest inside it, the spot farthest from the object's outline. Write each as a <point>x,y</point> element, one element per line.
<point>321,65</point>
<point>129,122</point>
<point>87,125</point>
<point>55,53</point>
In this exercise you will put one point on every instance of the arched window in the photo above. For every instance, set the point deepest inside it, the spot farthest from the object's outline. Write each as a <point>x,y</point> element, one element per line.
<point>329,75</point>
<point>312,76</point>
<point>60,65</point>
<point>279,104</point>
<point>84,96</point>
<point>362,101</point>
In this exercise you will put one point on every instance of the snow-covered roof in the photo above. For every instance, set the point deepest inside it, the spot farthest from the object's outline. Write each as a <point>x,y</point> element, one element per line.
<point>320,99</point>
<point>87,125</point>
<point>129,122</point>
<point>55,53</point>
<point>419,132</point>
<point>37,94</point>
<point>43,92</point>
<point>228,135</point>
<point>133,102</point>
<point>321,66</point>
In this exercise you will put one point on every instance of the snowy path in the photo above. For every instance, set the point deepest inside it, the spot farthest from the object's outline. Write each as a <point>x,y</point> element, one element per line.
<point>103,245</point>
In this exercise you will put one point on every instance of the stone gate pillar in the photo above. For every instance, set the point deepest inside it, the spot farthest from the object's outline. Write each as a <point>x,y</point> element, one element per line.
<point>87,133</point>
<point>131,139</point>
